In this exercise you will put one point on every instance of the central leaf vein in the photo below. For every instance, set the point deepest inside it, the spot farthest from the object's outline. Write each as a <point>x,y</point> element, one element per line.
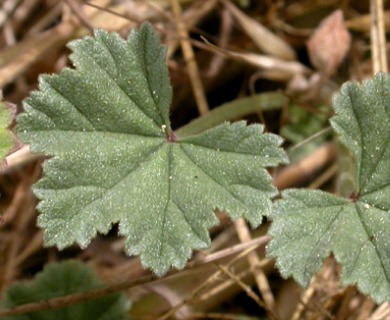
<point>146,72</point>
<point>360,141</point>
<point>165,212</point>
<point>378,159</point>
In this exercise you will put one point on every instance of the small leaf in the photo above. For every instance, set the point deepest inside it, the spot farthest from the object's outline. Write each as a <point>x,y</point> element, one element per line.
<point>60,279</point>
<point>6,141</point>
<point>116,159</point>
<point>308,224</point>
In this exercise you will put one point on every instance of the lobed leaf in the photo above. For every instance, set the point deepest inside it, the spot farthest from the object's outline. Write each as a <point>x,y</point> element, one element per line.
<point>363,123</point>
<point>116,159</point>
<point>60,279</point>
<point>308,224</point>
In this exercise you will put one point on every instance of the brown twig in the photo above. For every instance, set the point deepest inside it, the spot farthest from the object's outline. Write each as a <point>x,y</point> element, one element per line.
<point>254,260</point>
<point>247,289</point>
<point>24,213</point>
<point>192,67</point>
<point>267,262</point>
<point>67,300</point>
<point>196,292</point>
<point>121,285</point>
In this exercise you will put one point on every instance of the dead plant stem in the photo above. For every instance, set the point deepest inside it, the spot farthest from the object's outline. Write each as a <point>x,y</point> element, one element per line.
<point>197,291</point>
<point>63,301</point>
<point>378,37</point>
<point>70,299</point>
<point>192,67</point>
<point>254,260</point>
<point>247,289</point>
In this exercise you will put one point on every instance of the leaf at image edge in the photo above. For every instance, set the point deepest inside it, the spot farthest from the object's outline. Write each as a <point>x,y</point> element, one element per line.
<point>310,224</point>
<point>363,122</point>
<point>60,279</point>
<point>6,140</point>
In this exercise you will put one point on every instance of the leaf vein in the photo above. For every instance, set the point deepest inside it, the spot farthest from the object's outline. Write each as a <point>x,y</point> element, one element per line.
<point>329,229</point>
<point>112,80</point>
<point>212,178</point>
<point>360,214</point>
<point>241,153</point>
<point>195,231</point>
<point>360,137</point>
<point>72,104</point>
<point>379,159</point>
<point>160,251</point>
<point>143,66</point>
<point>377,189</point>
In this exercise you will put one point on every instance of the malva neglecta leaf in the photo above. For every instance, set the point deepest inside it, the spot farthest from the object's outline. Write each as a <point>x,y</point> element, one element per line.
<point>308,224</point>
<point>60,279</point>
<point>363,123</point>
<point>6,141</point>
<point>116,159</point>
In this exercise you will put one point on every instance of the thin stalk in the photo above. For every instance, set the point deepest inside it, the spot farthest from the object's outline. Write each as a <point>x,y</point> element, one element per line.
<point>378,37</point>
<point>188,52</point>
<point>236,109</point>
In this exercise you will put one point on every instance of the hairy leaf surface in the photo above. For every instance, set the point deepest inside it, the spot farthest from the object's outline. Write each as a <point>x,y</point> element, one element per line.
<point>308,224</point>
<point>116,159</point>
<point>60,279</point>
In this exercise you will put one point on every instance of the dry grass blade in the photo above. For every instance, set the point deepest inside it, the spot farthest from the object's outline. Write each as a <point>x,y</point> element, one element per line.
<point>363,23</point>
<point>272,68</point>
<point>16,60</point>
<point>254,261</point>
<point>192,67</point>
<point>192,16</point>
<point>378,38</point>
<point>197,291</point>
<point>248,291</point>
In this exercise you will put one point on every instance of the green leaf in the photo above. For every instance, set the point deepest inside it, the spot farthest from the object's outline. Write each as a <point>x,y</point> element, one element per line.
<point>59,279</point>
<point>308,224</point>
<point>6,141</point>
<point>363,123</point>
<point>116,159</point>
